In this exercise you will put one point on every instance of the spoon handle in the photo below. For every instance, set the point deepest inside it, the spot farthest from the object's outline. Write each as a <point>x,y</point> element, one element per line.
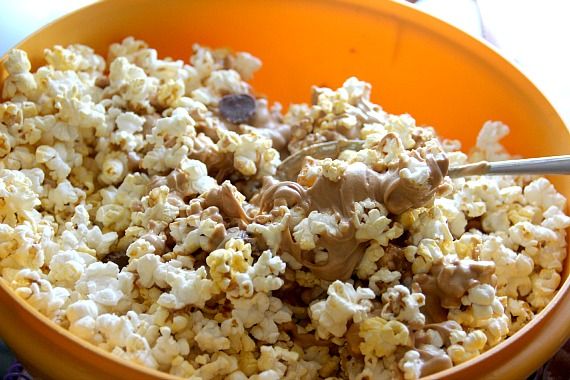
<point>542,165</point>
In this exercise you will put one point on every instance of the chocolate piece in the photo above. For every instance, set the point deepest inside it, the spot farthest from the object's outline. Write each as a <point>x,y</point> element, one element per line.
<point>119,258</point>
<point>237,108</point>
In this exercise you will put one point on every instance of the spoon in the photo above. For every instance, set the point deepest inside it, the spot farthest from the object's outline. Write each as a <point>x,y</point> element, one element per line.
<point>290,167</point>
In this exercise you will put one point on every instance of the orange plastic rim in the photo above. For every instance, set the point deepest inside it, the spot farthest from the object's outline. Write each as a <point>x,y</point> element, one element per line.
<point>416,63</point>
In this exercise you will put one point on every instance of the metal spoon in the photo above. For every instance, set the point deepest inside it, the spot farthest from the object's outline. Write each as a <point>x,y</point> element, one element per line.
<point>290,167</point>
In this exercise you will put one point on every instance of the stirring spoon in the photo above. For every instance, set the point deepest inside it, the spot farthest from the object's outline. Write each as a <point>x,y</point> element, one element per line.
<point>290,167</point>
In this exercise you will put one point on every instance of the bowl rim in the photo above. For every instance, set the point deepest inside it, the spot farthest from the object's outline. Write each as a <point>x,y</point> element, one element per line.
<point>412,17</point>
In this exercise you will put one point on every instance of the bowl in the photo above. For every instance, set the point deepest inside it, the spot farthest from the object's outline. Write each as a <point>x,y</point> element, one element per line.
<point>416,63</point>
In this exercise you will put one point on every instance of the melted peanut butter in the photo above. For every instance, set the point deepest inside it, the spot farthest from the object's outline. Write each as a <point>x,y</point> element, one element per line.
<point>433,360</point>
<point>357,184</point>
<point>353,339</point>
<point>303,340</point>
<point>447,283</point>
<point>224,199</point>
<point>443,328</point>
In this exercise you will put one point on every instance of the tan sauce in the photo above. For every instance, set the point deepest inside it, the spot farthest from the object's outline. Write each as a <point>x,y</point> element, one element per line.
<point>445,284</point>
<point>338,198</point>
<point>433,360</point>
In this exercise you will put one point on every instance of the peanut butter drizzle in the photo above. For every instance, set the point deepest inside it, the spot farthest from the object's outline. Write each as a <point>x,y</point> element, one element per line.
<point>478,168</point>
<point>443,328</point>
<point>433,360</point>
<point>447,283</point>
<point>224,199</point>
<point>357,184</point>
<point>304,340</point>
<point>353,339</point>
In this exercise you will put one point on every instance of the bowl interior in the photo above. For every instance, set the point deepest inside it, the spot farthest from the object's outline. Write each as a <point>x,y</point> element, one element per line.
<point>416,64</point>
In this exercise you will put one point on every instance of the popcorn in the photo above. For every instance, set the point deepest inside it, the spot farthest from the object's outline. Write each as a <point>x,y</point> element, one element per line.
<point>187,288</point>
<point>367,265</point>
<point>342,304</point>
<point>375,226</point>
<point>131,82</point>
<point>20,80</point>
<point>401,305</point>
<point>82,316</point>
<point>513,270</point>
<point>381,337</point>
<point>544,285</point>
<point>209,336</point>
<point>75,57</point>
<point>17,199</point>
<point>541,193</point>
<point>134,212</point>
<point>307,232</point>
<point>100,283</point>
<point>252,153</point>
<point>488,146</point>
<point>466,346</point>
<point>40,293</point>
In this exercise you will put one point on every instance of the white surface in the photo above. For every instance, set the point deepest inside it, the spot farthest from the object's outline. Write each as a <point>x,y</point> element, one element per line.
<point>18,18</point>
<point>535,34</point>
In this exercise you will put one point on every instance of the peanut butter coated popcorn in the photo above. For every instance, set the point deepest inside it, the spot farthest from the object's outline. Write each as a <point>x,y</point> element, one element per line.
<point>139,210</point>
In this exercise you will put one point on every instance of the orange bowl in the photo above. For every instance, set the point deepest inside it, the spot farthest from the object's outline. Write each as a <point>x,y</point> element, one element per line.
<point>417,64</point>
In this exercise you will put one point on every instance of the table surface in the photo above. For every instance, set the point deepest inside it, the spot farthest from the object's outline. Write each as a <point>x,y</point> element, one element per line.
<point>532,34</point>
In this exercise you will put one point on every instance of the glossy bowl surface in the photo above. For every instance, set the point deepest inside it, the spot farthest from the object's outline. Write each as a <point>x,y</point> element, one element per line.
<point>417,64</point>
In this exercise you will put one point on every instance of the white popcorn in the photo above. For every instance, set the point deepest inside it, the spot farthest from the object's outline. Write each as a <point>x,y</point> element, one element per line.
<point>261,313</point>
<point>66,267</point>
<point>411,365</point>
<point>488,146</point>
<point>307,232</point>
<point>544,285</point>
<point>19,248</point>
<point>555,219</point>
<point>75,57</point>
<point>18,198</point>
<point>466,345</point>
<point>424,256</point>
<point>209,336</point>
<point>385,276</point>
<point>100,283</point>
<point>82,316</point>
<point>343,304</point>
<point>222,82</point>
<point>246,64</point>
<point>187,288</point>
<point>265,271</point>
<point>64,196</point>
<point>131,81</point>
<point>376,226</point>
<point>431,224</point>
<point>381,337</point>
<point>513,270</point>
<point>40,293</point>
<point>455,217</point>
<point>252,152</point>
<point>367,265</point>
<point>541,193</point>
<point>199,181</point>
<point>19,81</point>
<point>528,234</point>
<point>403,305</point>
<point>270,232</point>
